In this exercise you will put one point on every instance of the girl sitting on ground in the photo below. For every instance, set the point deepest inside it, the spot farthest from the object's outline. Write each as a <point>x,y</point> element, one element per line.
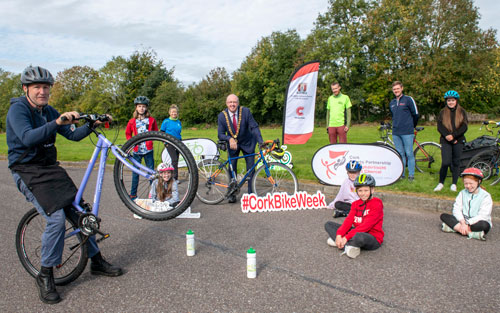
<point>347,193</point>
<point>164,189</point>
<point>362,228</point>
<point>472,208</point>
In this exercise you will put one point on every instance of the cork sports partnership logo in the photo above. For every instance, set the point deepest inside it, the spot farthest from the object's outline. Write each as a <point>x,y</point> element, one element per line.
<point>302,88</point>
<point>338,158</point>
<point>300,111</point>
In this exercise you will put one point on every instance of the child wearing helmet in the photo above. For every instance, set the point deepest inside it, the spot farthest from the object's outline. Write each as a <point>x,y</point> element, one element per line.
<point>347,193</point>
<point>164,189</point>
<point>362,228</point>
<point>452,125</point>
<point>472,208</point>
<point>141,122</point>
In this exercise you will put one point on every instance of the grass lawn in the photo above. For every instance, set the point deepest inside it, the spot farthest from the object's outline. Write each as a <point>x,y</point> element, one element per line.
<point>302,154</point>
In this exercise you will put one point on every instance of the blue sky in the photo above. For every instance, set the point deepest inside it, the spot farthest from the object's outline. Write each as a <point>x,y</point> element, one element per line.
<point>194,36</point>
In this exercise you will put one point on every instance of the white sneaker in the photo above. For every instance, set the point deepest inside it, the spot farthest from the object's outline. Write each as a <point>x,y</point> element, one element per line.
<point>477,235</point>
<point>439,187</point>
<point>447,229</point>
<point>453,187</point>
<point>331,242</point>
<point>351,251</point>
<point>137,217</point>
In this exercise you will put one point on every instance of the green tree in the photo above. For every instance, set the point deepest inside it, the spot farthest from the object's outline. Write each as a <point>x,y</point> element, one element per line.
<point>262,79</point>
<point>203,101</point>
<point>10,87</point>
<point>339,42</point>
<point>71,84</point>
<point>430,45</point>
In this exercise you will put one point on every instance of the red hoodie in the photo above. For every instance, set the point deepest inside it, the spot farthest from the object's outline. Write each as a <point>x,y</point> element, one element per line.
<point>131,131</point>
<point>365,218</point>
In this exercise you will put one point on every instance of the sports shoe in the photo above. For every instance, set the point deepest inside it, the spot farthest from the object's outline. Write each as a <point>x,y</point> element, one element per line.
<point>479,235</point>
<point>351,251</point>
<point>453,187</point>
<point>439,187</point>
<point>447,229</point>
<point>411,179</point>
<point>331,242</point>
<point>338,213</point>
<point>137,217</point>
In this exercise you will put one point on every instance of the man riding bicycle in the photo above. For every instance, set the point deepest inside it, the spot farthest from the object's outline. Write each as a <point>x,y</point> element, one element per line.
<point>32,126</point>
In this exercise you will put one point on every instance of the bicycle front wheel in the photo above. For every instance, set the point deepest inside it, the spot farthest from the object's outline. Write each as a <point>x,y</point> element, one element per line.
<point>134,189</point>
<point>428,157</point>
<point>485,161</point>
<point>281,179</point>
<point>29,248</point>
<point>213,181</point>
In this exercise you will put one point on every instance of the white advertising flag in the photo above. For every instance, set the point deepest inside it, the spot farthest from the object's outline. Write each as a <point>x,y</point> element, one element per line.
<point>298,116</point>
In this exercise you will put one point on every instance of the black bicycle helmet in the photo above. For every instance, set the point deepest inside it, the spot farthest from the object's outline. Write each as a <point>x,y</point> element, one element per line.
<point>36,74</point>
<point>141,100</point>
<point>353,166</point>
<point>364,180</point>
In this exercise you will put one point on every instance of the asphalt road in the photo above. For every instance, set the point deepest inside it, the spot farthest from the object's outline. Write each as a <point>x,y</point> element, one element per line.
<point>417,269</point>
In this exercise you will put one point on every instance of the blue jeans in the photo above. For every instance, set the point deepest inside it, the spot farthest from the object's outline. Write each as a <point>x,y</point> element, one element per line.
<point>404,145</point>
<point>53,236</point>
<point>150,162</point>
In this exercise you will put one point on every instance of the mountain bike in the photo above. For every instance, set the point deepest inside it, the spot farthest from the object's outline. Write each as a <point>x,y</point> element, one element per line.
<point>427,154</point>
<point>82,220</point>
<point>219,181</point>
<point>488,159</point>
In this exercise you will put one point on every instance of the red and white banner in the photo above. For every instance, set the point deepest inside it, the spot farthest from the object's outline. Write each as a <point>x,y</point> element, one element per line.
<point>384,164</point>
<point>300,100</point>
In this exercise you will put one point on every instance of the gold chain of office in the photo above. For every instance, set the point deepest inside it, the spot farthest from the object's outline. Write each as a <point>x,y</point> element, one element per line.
<point>229,125</point>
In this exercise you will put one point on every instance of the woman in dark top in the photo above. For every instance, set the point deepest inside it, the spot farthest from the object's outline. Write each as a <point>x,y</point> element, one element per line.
<point>452,125</point>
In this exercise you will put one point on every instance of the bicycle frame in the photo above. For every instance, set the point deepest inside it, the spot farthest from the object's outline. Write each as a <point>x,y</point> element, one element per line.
<point>103,147</point>
<point>233,173</point>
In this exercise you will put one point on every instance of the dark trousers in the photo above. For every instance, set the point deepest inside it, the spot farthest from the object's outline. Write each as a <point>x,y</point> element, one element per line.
<point>343,206</point>
<point>174,156</point>
<point>452,221</point>
<point>249,161</point>
<point>450,158</point>
<point>361,240</point>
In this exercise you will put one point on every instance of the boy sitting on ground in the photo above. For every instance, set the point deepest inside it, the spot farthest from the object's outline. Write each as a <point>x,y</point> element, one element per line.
<point>347,193</point>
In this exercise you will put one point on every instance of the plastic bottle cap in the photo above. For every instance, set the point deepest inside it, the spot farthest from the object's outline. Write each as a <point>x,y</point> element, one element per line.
<point>251,250</point>
<point>189,232</point>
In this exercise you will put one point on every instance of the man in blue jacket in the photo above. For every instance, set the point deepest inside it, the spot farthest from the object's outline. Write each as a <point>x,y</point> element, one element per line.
<point>237,126</point>
<point>32,126</point>
<point>404,120</point>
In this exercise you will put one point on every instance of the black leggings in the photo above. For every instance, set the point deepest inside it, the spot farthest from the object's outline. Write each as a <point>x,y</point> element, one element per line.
<point>361,240</point>
<point>343,206</point>
<point>450,157</point>
<point>452,221</point>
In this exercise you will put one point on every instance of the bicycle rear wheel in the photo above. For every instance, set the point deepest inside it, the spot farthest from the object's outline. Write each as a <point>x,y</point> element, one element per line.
<point>213,181</point>
<point>485,161</point>
<point>282,179</point>
<point>29,248</point>
<point>125,181</point>
<point>428,157</point>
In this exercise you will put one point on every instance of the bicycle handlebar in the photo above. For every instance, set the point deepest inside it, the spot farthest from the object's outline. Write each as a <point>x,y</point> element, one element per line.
<point>487,123</point>
<point>91,118</point>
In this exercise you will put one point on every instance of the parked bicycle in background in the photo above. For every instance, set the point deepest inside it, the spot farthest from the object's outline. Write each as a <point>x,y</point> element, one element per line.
<point>427,154</point>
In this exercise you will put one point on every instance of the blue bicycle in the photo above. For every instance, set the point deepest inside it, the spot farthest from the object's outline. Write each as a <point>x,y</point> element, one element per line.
<point>219,181</point>
<point>82,219</point>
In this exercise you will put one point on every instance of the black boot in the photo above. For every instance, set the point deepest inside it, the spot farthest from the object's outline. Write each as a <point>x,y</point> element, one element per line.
<point>339,213</point>
<point>46,286</point>
<point>99,266</point>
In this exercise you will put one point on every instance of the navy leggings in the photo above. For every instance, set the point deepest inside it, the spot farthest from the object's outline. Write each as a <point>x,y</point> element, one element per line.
<point>361,240</point>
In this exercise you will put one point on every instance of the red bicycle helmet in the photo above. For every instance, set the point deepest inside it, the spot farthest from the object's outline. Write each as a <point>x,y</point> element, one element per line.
<point>472,171</point>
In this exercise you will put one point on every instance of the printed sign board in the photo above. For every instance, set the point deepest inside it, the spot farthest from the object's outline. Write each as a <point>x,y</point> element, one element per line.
<point>384,164</point>
<point>200,148</point>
